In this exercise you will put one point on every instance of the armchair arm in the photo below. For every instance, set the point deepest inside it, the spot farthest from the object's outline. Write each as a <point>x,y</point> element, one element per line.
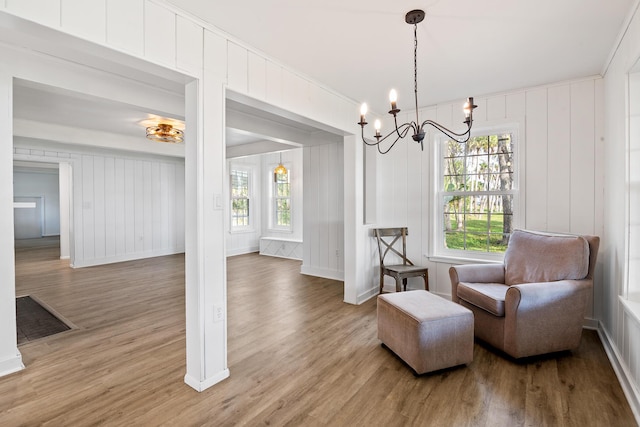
<point>474,273</point>
<point>545,317</point>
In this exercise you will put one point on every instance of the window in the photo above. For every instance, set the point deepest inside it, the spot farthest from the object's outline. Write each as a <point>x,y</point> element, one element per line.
<point>476,195</point>
<point>240,199</point>
<point>282,200</point>
<point>633,188</point>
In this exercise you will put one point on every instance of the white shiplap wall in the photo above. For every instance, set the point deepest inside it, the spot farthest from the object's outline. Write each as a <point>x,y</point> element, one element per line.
<point>620,319</point>
<point>560,151</point>
<point>124,207</point>
<point>323,253</point>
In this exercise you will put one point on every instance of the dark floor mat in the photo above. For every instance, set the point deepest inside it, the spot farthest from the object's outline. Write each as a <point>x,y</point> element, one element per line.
<point>34,321</point>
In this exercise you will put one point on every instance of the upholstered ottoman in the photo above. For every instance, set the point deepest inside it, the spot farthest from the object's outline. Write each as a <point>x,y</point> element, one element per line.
<point>428,332</point>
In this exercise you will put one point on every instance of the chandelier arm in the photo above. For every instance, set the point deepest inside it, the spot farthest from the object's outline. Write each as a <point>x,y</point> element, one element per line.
<point>388,149</point>
<point>395,121</point>
<point>401,132</point>
<point>365,141</point>
<point>448,132</point>
<point>401,135</point>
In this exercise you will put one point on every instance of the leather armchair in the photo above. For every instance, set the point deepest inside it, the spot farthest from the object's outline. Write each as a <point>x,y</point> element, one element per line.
<point>534,302</point>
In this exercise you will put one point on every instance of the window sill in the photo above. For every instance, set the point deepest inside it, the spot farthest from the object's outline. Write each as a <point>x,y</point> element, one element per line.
<point>280,230</point>
<point>451,259</point>
<point>242,231</point>
<point>280,239</point>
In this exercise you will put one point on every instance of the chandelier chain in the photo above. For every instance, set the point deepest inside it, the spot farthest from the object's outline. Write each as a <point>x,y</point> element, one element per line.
<point>415,58</point>
<point>415,72</point>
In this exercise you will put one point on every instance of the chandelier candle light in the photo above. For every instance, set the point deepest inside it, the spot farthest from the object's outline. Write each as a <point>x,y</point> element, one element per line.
<point>414,17</point>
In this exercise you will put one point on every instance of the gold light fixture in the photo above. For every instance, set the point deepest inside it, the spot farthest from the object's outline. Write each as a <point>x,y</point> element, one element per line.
<point>279,170</point>
<point>164,132</point>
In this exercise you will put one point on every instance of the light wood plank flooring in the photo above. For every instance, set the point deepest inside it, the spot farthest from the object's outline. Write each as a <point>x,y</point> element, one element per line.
<point>297,354</point>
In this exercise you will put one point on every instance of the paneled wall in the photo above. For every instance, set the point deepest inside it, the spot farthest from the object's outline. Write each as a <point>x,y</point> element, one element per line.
<point>124,206</point>
<point>324,211</point>
<point>620,318</point>
<point>559,154</point>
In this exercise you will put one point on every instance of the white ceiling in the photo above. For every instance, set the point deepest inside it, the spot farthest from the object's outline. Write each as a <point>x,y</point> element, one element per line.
<point>55,106</point>
<point>37,104</point>
<point>363,48</point>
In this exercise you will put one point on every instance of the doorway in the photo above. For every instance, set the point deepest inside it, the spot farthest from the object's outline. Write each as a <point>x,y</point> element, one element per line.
<point>28,217</point>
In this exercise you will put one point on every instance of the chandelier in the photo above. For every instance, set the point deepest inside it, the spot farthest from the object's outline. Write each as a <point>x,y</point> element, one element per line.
<point>165,133</point>
<point>414,18</point>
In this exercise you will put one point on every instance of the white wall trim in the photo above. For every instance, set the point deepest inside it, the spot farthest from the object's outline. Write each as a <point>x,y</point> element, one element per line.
<point>619,367</point>
<point>590,323</point>
<point>242,251</point>
<point>289,257</point>
<point>366,296</point>
<point>11,365</point>
<point>203,385</point>
<point>322,272</point>
<point>623,31</point>
<point>126,257</point>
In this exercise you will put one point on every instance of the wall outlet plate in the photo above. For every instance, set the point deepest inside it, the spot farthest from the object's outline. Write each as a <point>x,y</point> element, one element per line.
<point>218,313</point>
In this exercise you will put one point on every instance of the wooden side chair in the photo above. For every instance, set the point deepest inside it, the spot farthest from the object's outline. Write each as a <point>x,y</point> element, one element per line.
<point>388,238</point>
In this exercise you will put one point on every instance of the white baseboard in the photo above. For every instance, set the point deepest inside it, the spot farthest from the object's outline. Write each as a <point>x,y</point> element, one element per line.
<point>242,251</point>
<point>590,323</point>
<point>321,272</point>
<point>199,386</point>
<point>367,295</point>
<point>11,365</point>
<point>281,256</point>
<point>125,257</point>
<point>620,368</point>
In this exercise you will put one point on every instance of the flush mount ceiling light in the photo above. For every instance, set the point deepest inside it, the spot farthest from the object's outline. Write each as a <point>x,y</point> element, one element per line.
<point>164,132</point>
<point>414,18</point>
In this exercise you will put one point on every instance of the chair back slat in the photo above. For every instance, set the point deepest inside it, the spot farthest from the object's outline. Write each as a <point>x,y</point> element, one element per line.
<point>392,235</point>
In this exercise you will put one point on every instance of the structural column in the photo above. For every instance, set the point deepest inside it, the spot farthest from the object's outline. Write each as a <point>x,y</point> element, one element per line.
<point>10,358</point>
<point>205,262</point>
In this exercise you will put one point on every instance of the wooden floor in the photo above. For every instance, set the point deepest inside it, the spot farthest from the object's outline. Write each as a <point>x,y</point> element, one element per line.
<point>297,354</point>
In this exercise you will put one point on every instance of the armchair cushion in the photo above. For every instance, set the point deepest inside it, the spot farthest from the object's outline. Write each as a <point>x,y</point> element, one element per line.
<point>535,257</point>
<point>488,296</point>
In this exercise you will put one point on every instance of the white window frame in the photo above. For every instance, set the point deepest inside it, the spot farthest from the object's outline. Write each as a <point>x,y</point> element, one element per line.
<point>241,228</point>
<point>274,206</point>
<point>438,250</point>
<point>630,293</point>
